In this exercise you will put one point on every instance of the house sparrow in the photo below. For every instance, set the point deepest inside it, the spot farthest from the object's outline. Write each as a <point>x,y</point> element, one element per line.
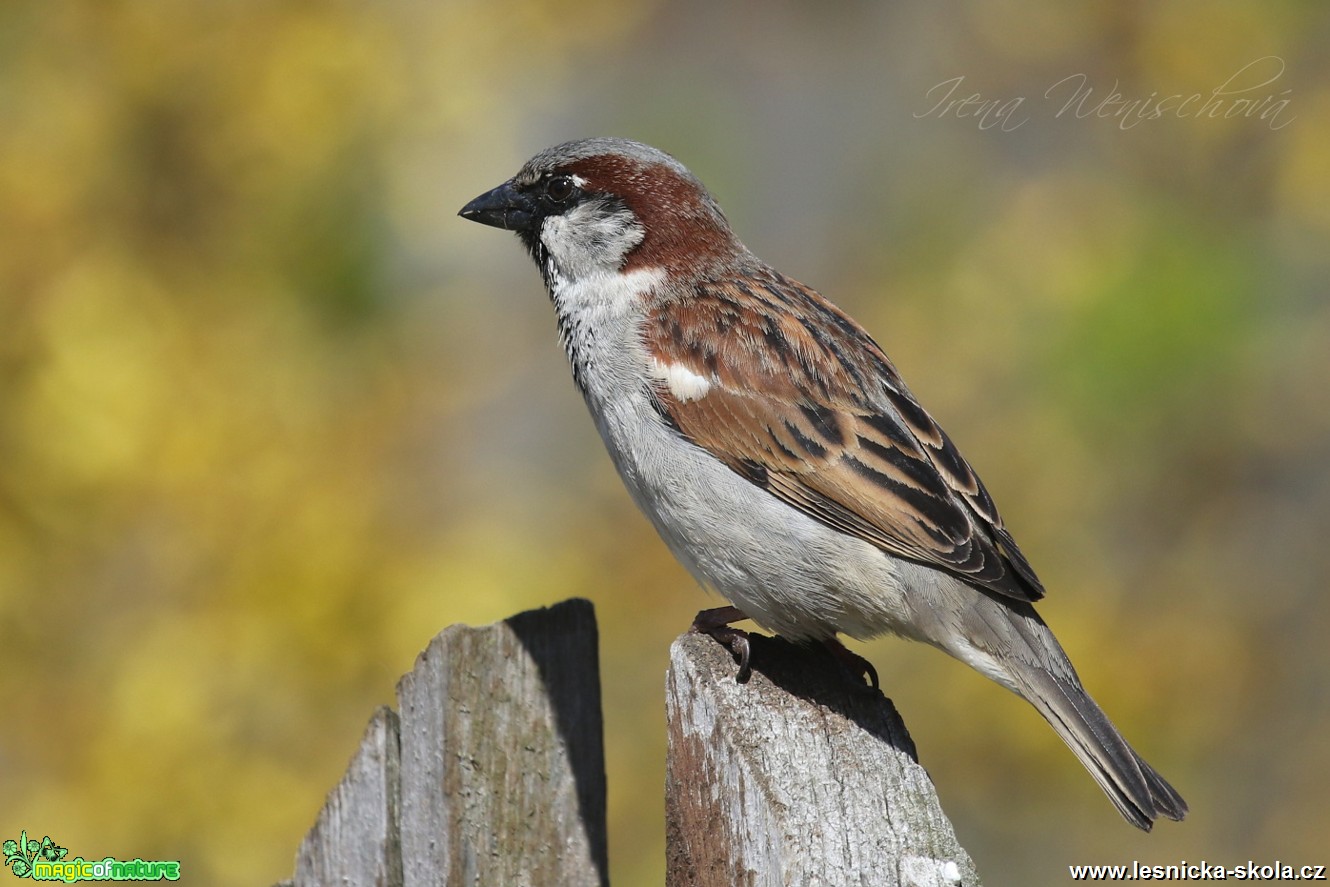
<point>775,447</point>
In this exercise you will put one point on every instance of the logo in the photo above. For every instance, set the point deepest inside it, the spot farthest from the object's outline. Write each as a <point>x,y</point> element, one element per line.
<point>44,860</point>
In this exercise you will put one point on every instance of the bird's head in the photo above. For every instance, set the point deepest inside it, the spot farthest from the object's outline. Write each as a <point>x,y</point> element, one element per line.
<point>606,206</point>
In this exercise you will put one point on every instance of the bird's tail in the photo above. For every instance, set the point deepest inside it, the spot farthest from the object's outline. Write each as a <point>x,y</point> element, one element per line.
<point>1140,794</point>
<point>1006,640</point>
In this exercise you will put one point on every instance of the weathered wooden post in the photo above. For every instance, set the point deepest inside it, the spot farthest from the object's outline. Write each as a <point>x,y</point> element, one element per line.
<point>493,773</point>
<point>799,777</point>
<point>356,839</point>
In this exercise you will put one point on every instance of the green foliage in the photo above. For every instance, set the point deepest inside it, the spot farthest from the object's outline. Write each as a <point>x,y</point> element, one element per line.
<point>1165,337</point>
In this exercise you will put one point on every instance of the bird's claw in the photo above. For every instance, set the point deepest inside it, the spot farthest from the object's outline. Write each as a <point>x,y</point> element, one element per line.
<point>857,665</point>
<point>716,623</point>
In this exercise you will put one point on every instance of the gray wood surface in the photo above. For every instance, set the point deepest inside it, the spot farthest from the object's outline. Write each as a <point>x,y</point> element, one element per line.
<point>355,840</point>
<point>798,777</point>
<point>503,755</point>
<point>492,774</point>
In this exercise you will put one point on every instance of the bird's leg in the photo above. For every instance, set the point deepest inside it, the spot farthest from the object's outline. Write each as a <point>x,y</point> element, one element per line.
<point>716,622</point>
<point>858,666</point>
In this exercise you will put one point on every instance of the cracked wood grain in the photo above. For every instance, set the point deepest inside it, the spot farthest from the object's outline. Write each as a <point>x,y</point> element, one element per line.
<point>492,774</point>
<point>799,777</point>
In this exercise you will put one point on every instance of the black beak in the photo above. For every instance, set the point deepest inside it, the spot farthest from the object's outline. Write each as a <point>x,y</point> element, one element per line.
<point>504,207</point>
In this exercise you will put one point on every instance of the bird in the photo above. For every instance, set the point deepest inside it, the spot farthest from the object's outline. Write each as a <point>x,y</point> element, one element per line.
<point>775,448</point>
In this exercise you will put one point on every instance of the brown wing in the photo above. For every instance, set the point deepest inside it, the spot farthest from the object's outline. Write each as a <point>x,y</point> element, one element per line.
<point>802,403</point>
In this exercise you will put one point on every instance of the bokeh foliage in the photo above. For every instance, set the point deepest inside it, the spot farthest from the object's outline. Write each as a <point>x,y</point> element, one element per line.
<point>270,416</point>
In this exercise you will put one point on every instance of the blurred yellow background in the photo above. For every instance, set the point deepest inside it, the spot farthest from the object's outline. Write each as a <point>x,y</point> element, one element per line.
<point>271,415</point>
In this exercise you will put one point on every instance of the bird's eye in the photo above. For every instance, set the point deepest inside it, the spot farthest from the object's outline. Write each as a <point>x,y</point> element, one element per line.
<point>560,188</point>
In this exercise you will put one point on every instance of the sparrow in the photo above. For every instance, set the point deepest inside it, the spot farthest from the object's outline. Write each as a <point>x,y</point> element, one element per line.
<point>775,448</point>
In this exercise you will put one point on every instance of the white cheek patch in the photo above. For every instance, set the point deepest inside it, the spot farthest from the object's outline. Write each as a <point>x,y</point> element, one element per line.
<point>590,238</point>
<point>682,382</point>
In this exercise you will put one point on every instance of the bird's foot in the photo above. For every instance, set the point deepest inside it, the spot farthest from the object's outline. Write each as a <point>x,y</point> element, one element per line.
<point>716,623</point>
<point>859,667</point>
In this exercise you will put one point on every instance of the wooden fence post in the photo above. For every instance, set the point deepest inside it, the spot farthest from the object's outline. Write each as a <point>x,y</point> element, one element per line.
<point>493,773</point>
<point>356,838</point>
<point>798,777</point>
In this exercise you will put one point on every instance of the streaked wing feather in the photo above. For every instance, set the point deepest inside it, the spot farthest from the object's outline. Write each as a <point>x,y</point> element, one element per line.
<point>804,404</point>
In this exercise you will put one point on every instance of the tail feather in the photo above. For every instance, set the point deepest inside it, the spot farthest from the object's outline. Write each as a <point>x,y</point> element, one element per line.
<point>1006,640</point>
<point>1140,794</point>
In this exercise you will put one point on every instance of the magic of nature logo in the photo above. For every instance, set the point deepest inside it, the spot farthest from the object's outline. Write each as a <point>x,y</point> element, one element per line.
<point>45,860</point>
